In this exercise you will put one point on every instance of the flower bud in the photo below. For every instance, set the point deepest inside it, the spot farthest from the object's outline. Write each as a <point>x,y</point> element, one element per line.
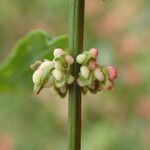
<point>85,71</point>
<point>46,65</point>
<point>63,89</point>
<point>81,83</point>
<point>57,74</point>
<point>69,59</point>
<point>94,52</point>
<point>112,72</point>
<point>93,65</point>
<point>58,65</point>
<point>99,74</point>
<point>58,52</point>
<point>80,58</point>
<point>70,79</point>
<point>37,75</point>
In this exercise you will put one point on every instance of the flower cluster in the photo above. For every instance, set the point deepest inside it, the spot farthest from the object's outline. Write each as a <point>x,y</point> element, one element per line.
<point>55,73</point>
<point>92,76</point>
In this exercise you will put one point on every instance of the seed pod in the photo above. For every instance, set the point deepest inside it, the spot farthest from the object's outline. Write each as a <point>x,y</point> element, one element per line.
<point>70,79</point>
<point>85,71</point>
<point>57,74</point>
<point>112,71</point>
<point>81,58</point>
<point>94,52</point>
<point>99,74</point>
<point>69,59</point>
<point>58,52</point>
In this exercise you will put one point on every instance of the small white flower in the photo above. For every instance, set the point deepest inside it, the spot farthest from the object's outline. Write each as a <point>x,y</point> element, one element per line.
<point>85,71</point>
<point>80,58</point>
<point>57,74</point>
<point>69,59</point>
<point>37,75</point>
<point>58,52</point>
<point>70,79</point>
<point>99,74</point>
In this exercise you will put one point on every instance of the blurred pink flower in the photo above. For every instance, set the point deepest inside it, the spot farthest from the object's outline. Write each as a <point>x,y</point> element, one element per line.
<point>131,75</point>
<point>143,107</point>
<point>6,142</point>
<point>129,45</point>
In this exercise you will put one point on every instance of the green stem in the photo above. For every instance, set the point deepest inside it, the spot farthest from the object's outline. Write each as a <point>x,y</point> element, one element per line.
<point>76,29</point>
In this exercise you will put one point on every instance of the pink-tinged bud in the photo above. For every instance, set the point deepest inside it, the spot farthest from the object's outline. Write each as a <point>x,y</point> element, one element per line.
<point>70,79</point>
<point>80,58</point>
<point>99,74</point>
<point>58,52</point>
<point>57,74</point>
<point>69,59</point>
<point>112,72</point>
<point>85,71</point>
<point>93,65</point>
<point>94,52</point>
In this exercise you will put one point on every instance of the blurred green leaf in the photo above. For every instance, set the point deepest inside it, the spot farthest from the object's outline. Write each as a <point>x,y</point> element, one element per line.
<point>15,72</point>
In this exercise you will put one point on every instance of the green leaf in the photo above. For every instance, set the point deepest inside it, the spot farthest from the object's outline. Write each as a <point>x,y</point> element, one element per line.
<point>15,72</point>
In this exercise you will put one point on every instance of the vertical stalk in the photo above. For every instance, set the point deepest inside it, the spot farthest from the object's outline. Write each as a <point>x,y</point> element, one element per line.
<point>76,29</point>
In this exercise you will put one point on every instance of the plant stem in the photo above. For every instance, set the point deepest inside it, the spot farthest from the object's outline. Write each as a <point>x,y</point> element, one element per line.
<point>76,29</point>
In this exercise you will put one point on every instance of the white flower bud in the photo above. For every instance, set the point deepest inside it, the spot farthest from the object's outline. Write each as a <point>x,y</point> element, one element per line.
<point>63,89</point>
<point>58,65</point>
<point>46,65</point>
<point>37,75</point>
<point>58,52</point>
<point>85,71</point>
<point>80,82</point>
<point>70,79</point>
<point>57,74</point>
<point>80,58</point>
<point>69,59</point>
<point>99,74</point>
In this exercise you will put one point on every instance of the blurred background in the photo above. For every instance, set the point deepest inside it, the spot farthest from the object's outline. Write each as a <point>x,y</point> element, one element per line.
<point>116,120</point>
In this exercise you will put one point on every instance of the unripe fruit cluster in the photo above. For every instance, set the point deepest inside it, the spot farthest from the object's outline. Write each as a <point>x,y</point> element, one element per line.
<point>92,76</point>
<point>55,73</point>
